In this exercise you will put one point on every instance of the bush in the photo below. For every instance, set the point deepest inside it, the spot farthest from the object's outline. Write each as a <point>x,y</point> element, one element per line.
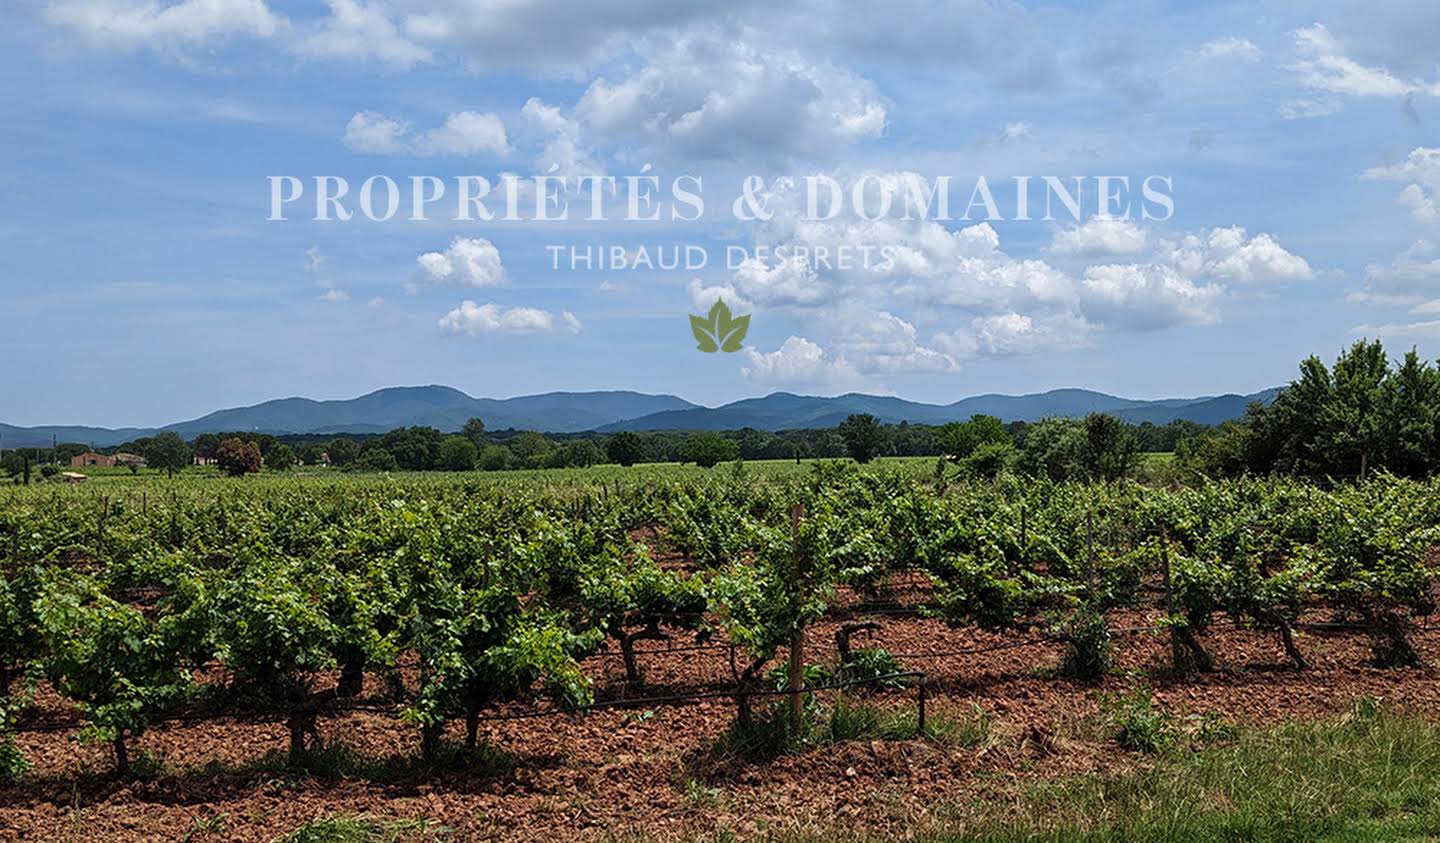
<point>1087,645</point>
<point>1139,725</point>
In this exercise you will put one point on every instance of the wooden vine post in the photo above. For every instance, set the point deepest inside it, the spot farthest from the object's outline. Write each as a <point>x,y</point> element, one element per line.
<point>797,635</point>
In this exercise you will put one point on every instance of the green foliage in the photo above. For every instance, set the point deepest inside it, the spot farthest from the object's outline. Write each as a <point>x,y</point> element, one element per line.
<point>167,452</point>
<point>625,448</point>
<point>958,440</point>
<point>280,458</point>
<point>377,459</point>
<point>457,453</point>
<point>861,432</point>
<point>342,451</point>
<point>708,450</point>
<point>120,666</point>
<point>1087,645</point>
<point>1139,725</point>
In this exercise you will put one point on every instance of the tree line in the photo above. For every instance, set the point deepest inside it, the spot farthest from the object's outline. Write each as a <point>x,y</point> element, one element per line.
<point>1366,413</point>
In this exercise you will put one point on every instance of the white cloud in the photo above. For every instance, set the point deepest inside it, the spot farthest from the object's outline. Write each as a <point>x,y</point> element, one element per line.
<point>1408,330</point>
<point>359,31</point>
<point>465,134</point>
<point>1412,278</point>
<point>1011,334</point>
<point>476,319</point>
<point>1306,107</point>
<point>883,343</point>
<point>1147,297</point>
<point>797,362</point>
<point>334,295</point>
<point>563,154</point>
<point>703,297</point>
<point>148,24</point>
<point>572,322</point>
<point>1230,46</point>
<point>1422,168</point>
<point>713,96</point>
<point>1325,67</point>
<point>378,301</point>
<point>1227,254</point>
<point>1099,237</point>
<point>372,132</point>
<point>469,262</point>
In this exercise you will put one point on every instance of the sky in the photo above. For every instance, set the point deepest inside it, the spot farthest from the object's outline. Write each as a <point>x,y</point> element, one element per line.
<point>144,282</point>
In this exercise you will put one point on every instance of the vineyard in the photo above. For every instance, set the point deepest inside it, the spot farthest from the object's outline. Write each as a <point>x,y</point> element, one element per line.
<point>690,643</point>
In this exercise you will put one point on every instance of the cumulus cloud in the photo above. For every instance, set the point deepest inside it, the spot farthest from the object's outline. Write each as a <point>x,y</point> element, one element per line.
<point>474,320</point>
<point>1422,168</point>
<point>1412,278</point>
<point>713,96</point>
<point>572,322</point>
<point>797,362</point>
<point>1099,237</point>
<point>703,296</point>
<point>1228,254</point>
<point>334,295</point>
<point>464,134</point>
<point>1148,297</point>
<point>1011,334</point>
<point>146,24</point>
<point>563,154</point>
<point>883,343</point>
<point>468,262</point>
<point>360,31</point>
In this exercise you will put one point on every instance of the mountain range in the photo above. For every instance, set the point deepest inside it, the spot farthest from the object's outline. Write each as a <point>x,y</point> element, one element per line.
<point>573,412</point>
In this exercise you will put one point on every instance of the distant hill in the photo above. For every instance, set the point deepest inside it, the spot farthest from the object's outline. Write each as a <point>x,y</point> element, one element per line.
<point>782,410</point>
<point>573,412</point>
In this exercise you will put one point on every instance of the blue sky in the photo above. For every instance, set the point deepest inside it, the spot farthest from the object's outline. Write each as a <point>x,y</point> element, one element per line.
<point>143,283</point>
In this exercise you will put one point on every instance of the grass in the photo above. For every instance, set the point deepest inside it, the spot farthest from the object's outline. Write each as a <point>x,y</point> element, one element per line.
<point>342,828</point>
<point>848,719</point>
<point>1373,775</point>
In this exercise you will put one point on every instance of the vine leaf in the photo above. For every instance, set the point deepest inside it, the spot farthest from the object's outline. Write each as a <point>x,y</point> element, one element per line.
<point>719,331</point>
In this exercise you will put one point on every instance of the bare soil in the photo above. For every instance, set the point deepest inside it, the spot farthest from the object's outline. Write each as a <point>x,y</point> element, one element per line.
<point>649,771</point>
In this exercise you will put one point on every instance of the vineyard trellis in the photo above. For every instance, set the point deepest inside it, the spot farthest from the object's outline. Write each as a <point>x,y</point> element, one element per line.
<point>462,595</point>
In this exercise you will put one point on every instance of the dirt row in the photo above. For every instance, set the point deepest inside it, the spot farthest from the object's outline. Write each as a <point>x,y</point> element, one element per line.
<point>648,771</point>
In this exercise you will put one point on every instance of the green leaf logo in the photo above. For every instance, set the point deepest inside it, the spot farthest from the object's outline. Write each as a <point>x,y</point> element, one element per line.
<point>719,331</point>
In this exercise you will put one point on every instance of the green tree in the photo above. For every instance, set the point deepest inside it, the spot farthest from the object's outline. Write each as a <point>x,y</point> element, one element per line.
<point>1110,450</point>
<point>378,459</point>
<point>414,448</point>
<point>862,435</point>
<point>497,458</point>
<point>578,453</point>
<point>474,430</point>
<point>1054,448</point>
<point>168,451</point>
<point>531,448</point>
<point>708,450</point>
<point>342,451</point>
<point>958,440</point>
<point>625,448</point>
<point>280,458</point>
<point>457,453</point>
